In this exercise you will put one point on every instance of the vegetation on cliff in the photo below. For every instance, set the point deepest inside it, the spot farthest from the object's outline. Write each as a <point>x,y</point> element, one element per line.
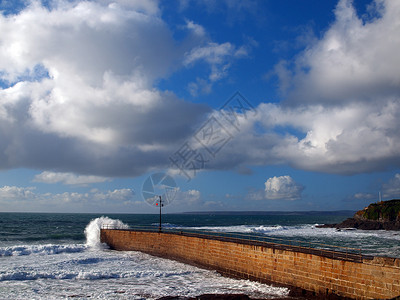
<point>381,215</point>
<point>384,211</point>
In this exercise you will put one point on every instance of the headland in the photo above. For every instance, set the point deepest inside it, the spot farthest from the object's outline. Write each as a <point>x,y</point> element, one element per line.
<point>383,215</point>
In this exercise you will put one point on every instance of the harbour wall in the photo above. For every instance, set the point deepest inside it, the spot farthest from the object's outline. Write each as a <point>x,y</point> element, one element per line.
<point>324,273</point>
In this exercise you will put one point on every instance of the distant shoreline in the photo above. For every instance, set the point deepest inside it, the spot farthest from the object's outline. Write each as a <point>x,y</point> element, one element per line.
<point>249,213</point>
<point>272,213</point>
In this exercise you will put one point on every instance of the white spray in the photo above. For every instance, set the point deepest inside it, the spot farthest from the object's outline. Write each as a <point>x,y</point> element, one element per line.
<point>92,230</point>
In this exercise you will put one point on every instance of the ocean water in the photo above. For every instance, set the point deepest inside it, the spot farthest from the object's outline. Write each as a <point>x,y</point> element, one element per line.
<point>59,256</point>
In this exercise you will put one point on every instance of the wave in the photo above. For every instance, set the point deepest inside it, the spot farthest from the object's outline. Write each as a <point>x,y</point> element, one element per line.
<point>41,249</point>
<point>108,274</point>
<point>244,228</point>
<point>372,242</point>
<point>167,225</point>
<point>304,230</point>
<point>98,268</point>
<point>92,230</point>
<point>83,275</point>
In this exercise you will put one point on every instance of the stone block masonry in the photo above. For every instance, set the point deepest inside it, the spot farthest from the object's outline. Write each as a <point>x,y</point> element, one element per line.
<point>367,278</point>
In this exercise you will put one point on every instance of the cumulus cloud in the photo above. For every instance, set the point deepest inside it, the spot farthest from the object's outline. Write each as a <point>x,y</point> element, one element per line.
<point>68,178</point>
<point>344,96</point>
<point>78,91</point>
<point>342,108</point>
<point>277,188</point>
<point>347,139</point>
<point>86,39</point>
<point>353,61</point>
<point>282,187</point>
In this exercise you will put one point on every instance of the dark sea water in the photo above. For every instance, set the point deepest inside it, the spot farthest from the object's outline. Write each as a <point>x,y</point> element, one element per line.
<point>53,256</point>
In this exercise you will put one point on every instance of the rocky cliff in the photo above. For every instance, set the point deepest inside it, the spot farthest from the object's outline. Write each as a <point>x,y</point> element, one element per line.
<point>381,215</point>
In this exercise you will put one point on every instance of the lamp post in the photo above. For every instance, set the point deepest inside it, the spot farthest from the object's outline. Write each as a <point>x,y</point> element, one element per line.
<point>159,227</point>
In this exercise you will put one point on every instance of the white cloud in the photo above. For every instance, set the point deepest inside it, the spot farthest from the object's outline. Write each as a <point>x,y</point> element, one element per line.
<point>342,108</point>
<point>282,187</point>
<point>80,90</point>
<point>345,139</point>
<point>68,178</point>
<point>212,53</point>
<point>13,198</point>
<point>342,112</point>
<point>11,193</point>
<point>347,102</point>
<point>148,6</point>
<point>118,195</point>
<point>355,60</point>
<point>277,188</point>
<point>218,56</point>
<point>192,200</point>
<point>84,39</point>
<point>197,29</point>
<point>187,198</point>
<point>80,97</point>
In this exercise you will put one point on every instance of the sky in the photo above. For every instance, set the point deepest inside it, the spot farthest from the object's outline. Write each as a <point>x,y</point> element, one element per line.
<point>215,105</point>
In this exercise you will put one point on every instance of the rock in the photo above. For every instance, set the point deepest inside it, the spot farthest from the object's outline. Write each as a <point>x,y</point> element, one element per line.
<point>327,226</point>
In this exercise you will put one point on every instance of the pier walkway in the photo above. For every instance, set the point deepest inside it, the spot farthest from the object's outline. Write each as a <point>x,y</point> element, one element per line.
<point>325,250</point>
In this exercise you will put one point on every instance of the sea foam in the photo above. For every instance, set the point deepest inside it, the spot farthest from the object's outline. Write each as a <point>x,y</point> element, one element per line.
<point>41,249</point>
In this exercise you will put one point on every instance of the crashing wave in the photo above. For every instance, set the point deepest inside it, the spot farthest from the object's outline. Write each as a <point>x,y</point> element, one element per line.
<point>92,230</point>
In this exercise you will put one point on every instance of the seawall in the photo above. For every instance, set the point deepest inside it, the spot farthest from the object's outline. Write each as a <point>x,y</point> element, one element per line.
<point>349,276</point>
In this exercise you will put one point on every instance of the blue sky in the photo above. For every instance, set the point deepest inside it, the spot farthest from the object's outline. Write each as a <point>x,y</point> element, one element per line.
<point>261,105</point>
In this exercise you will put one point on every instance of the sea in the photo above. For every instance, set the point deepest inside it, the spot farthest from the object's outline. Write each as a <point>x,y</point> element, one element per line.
<point>59,256</point>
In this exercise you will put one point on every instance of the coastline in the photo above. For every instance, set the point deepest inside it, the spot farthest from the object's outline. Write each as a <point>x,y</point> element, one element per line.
<point>46,241</point>
<point>384,215</point>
